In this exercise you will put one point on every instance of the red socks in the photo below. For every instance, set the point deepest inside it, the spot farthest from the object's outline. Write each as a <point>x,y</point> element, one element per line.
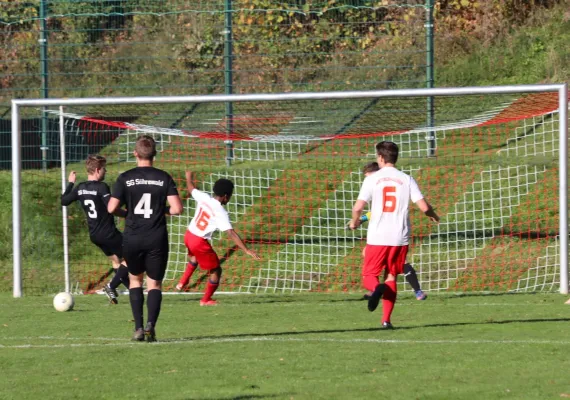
<point>388,300</point>
<point>190,268</point>
<point>210,289</point>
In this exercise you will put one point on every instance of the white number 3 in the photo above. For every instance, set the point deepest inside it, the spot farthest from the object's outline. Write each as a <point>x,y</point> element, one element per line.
<point>92,213</point>
<point>143,207</point>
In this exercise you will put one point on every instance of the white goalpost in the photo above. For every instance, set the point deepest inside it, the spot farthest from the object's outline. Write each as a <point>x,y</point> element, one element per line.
<point>296,158</point>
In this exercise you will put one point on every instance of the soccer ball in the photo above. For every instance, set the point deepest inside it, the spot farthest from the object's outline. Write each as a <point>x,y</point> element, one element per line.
<point>63,302</point>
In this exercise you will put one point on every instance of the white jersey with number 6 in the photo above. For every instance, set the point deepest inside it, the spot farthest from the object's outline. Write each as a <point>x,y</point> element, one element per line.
<point>210,216</point>
<point>390,191</point>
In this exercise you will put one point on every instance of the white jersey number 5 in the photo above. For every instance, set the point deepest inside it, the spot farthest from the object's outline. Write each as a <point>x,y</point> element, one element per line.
<point>143,206</point>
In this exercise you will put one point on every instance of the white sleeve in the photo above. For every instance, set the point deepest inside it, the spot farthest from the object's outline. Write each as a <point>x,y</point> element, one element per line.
<point>366,191</point>
<point>415,193</point>
<point>199,195</point>
<point>223,220</point>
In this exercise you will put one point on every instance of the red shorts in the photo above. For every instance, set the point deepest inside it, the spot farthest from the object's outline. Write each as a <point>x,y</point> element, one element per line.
<point>200,248</point>
<point>377,258</point>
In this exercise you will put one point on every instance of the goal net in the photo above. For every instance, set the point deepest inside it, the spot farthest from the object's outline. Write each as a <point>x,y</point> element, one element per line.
<point>489,164</point>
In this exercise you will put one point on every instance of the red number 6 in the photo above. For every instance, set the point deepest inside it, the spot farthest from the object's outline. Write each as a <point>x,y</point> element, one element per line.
<point>203,220</point>
<point>389,202</point>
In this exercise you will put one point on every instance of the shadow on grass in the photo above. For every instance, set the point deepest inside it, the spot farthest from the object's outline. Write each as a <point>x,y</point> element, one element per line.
<point>243,396</point>
<point>372,329</point>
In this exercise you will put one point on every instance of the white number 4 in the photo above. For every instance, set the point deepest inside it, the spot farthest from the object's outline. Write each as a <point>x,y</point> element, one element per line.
<point>143,207</point>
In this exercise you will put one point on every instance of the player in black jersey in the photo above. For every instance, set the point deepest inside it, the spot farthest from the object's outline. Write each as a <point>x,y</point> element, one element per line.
<point>145,191</point>
<point>94,196</point>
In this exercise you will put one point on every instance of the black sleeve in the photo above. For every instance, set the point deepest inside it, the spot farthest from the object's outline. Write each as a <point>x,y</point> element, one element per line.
<point>105,194</point>
<point>119,190</point>
<point>171,187</point>
<point>69,196</point>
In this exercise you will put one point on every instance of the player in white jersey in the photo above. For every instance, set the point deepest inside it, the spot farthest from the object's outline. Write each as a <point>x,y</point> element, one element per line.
<point>409,271</point>
<point>210,216</point>
<point>389,191</point>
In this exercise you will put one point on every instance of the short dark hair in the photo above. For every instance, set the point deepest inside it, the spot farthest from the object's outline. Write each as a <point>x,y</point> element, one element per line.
<point>388,151</point>
<point>223,187</point>
<point>93,162</point>
<point>145,147</point>
<point>370,167</point>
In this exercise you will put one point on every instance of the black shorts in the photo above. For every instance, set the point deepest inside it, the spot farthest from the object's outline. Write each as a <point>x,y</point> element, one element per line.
<point>111,245</point>
<point>151,259</point>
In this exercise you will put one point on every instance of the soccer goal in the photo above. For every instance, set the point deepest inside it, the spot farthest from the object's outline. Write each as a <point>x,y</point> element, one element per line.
<point>492,161</point>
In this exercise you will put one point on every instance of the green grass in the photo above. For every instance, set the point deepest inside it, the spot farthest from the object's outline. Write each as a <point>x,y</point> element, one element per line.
<point>289,347</point>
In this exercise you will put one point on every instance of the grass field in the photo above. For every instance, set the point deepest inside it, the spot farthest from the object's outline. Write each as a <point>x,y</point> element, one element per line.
<point>290,347</point>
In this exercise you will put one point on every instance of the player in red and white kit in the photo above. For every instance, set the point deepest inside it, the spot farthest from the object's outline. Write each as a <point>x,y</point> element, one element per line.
<point>389,191</point>
<point>210,216</point>
<point>409,271</point>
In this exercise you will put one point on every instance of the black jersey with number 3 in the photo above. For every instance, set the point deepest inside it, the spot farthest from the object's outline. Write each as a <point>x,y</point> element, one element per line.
<point>144,190</point>
<point>93,197</point>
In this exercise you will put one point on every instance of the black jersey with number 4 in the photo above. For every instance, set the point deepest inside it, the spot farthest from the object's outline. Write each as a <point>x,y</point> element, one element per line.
<point>93,197</point>
<point>144,190</point>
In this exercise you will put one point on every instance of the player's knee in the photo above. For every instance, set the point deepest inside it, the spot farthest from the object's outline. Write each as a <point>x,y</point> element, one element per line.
<point>152,284</point>
<point>215,274</point>
<point>408,269</point>
<point>135,280</point>
<point>115,262</point>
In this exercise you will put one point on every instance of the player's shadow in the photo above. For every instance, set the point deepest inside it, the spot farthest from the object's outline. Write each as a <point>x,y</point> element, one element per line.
<point>243,396</point>
<point>371,329</point>
<point>489,322</point>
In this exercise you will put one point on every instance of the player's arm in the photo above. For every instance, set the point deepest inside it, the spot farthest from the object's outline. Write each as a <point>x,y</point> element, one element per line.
<point>428,210</point>
<point>364,197</point>
<point>357,210</point>
<point>113,205</point>
<point>190,181</point>
<point>422,203</point>
<point>175,203</point>
<point>173,198</point>
<point>233,235</point>
<point>115,199</point>
<point>69,195</point>
<point>105,194</point>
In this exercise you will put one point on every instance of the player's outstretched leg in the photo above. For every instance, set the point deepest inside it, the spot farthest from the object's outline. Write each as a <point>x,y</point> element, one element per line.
<point>111,293</point>
<point>211,287</point>
<point>121,276</point>
<point>124,272</point>
<point>376,296</point>
<point>412,279</point>
<point>370,282</point>
<point>190,268</point>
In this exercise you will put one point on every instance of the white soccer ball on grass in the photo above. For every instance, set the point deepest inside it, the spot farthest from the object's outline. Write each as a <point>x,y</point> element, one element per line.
<point>63,302</point>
